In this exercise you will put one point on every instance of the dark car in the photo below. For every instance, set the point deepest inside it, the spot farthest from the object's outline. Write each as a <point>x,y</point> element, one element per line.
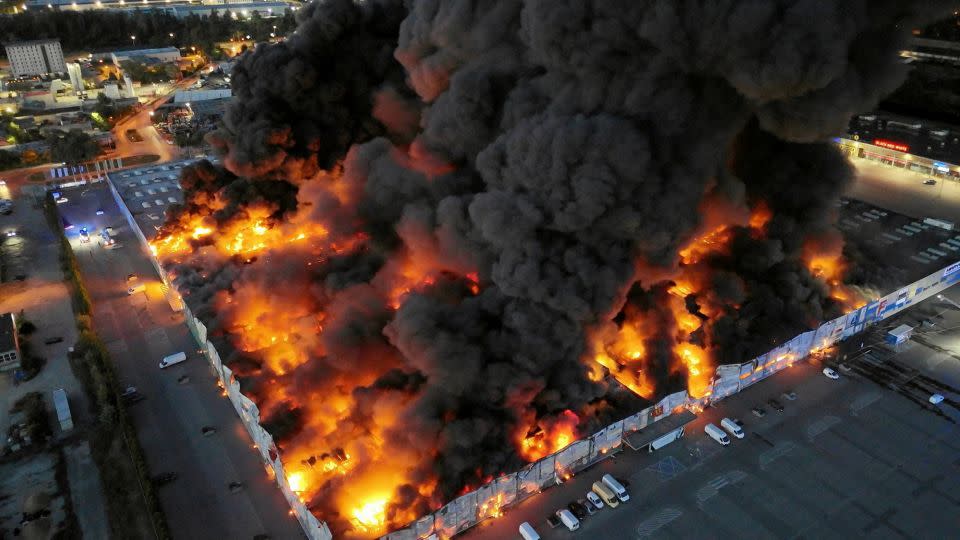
<point>929,182</point>
<point>553,521</point>
<point>588,506</point>
<point>775,405</point>
<point>578,510</point>
<point>758,411</point>
<point>52,340</point>
<point>789,395</point>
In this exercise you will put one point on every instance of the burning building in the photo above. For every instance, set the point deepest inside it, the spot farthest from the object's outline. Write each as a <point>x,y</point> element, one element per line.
<point>445,233</point>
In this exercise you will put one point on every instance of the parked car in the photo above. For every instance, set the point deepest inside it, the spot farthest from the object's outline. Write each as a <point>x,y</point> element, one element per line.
<point>131,277</point>
<point>775,405</point>
<point>758,412</point>
<point>128,391</point>
<point>595,500</point>
<point>99,211</point>
<point>61,200</point>
<point>84,235</point>
<point>588,506</point>
<point>845,368</point>
<point>936,399</point>
<point>929,182</point>
<point>53,340</point>
<point>789,395</point>
<point>831,373</point>
<point>578,510</point>
<point>553,521</point>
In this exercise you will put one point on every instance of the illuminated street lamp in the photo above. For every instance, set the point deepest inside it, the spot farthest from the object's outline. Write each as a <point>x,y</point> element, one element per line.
<point>134,40</point>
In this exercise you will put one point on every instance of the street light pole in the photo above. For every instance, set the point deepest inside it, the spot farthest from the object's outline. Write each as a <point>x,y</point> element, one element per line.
<point>134,40</point>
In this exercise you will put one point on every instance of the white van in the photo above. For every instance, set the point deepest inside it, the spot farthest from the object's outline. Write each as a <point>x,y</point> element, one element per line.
<point>732,427</point>
<point>528,532</point>
<point>173,359</point>
<point>617,487</point>
<point>568,519</point>
<point>716,434</point>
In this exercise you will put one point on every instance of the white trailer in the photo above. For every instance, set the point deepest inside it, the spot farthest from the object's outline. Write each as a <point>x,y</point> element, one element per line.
<point>63,409</point>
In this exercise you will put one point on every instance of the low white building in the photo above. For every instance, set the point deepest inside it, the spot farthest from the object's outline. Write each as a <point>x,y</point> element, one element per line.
<point>193,96</point>
<point>162,54</point>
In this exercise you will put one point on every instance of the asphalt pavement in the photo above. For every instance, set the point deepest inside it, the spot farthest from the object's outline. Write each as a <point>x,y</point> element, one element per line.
<point>849,458</point>
<point>180,401</point>
<point>903,191</point>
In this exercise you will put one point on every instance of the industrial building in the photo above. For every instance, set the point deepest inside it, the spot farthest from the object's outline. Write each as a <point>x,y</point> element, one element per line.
<point>39,57</point>
<point>9,343</point>
<point>648,430</point>
<point>177,8</point>
<point>158,55</point>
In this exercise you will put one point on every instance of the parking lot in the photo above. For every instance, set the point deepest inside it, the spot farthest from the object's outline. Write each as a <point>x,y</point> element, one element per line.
<point>855,457</point>
<point>182,403</point>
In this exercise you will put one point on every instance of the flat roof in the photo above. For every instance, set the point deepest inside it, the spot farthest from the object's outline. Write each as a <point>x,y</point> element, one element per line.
<point>640,438</point>
<point>8,340</point>
<point>145,52</point>
<point>147,192</point>
<point>901,330</point>
<point>31,42</point>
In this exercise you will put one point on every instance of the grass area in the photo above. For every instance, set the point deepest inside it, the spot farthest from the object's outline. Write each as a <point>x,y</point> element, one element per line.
<point>132,503</point>
<point>68,260</point>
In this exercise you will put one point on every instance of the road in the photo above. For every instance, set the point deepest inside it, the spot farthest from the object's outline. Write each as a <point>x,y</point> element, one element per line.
<point>179,401</point>
<point>852,458</point>
<point>903,191</point>
<point>152,142</point>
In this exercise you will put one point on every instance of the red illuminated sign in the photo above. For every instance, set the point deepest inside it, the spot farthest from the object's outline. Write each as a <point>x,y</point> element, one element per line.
<point>900,147</point>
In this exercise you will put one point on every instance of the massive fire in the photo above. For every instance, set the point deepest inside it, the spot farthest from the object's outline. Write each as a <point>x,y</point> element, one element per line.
<point>429,263</point>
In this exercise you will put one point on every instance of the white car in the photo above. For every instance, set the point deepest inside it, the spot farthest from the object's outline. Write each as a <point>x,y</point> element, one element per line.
<point>936,399</point>
<point>830,373</point>
<point>595,500</point>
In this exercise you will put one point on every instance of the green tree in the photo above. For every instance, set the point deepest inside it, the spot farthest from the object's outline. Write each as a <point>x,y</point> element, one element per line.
<point>73,146</point>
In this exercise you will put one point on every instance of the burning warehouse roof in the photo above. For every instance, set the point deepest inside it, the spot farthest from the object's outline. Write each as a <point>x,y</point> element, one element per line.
<point>440,225</point>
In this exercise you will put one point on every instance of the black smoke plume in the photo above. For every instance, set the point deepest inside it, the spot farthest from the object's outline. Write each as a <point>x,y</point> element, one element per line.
<point>557,149</point>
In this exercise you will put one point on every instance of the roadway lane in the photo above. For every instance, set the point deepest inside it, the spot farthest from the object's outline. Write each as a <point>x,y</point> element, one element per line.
<point>179,401</point>
<point>903,191</point>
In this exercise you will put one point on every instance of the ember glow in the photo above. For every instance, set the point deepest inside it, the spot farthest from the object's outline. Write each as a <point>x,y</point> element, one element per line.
<point>440,242</point>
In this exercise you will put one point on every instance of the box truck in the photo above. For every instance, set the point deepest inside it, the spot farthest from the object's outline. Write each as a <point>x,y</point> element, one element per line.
<point>616,487</point>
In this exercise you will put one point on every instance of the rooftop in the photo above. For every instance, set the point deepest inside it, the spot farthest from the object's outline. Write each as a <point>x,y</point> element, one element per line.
<point>148,191</point>
<point>31,42</point>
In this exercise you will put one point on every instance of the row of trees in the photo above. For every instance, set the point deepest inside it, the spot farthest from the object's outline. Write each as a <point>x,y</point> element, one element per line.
<point>102,30</point>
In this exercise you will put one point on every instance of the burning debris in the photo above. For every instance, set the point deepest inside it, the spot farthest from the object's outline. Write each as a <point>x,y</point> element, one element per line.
<point>444,228</point>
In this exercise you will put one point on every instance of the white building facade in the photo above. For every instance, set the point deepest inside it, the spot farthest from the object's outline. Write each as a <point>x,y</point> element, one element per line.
<point>29,58</point>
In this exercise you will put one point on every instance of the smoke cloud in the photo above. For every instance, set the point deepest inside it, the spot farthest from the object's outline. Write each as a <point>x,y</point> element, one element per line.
<point>436,218</point>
